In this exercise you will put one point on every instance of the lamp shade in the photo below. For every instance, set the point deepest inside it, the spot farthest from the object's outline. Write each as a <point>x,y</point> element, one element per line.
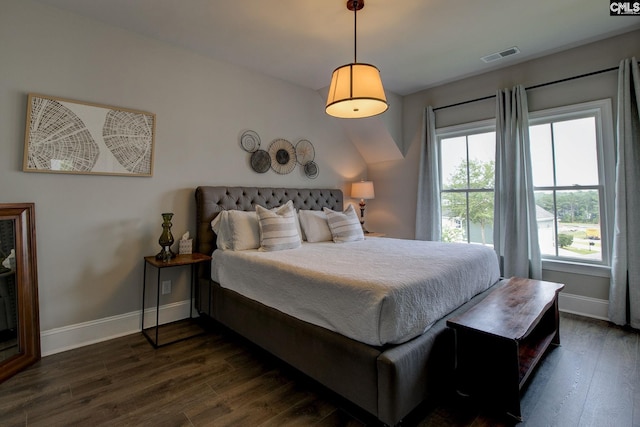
<point>362,190</point>
<point>356,91</point>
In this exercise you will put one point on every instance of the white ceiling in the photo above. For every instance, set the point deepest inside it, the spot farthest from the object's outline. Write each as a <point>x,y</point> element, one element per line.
<point>416,44</point>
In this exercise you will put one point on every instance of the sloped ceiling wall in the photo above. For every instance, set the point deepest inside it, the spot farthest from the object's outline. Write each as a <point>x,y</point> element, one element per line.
<point>378,138</point>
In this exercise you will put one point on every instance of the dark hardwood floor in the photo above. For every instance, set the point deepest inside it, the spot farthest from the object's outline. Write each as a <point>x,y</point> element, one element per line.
<point>592,379</point>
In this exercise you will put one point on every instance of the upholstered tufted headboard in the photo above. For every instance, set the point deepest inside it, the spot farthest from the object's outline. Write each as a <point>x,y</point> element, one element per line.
<point>212,200</point>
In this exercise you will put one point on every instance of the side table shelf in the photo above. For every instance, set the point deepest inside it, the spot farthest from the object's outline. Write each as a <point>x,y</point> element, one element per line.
<point>152,332</point>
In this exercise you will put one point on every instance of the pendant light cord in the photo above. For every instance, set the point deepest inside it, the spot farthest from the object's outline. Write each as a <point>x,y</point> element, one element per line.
<point>355,31</point>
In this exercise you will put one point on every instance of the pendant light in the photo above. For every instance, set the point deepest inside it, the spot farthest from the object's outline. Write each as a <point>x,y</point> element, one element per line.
<point>356,89</point>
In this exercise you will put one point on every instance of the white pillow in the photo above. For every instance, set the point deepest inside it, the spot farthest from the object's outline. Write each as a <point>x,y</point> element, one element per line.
<point>278,229</point>
<point>220,226</point>
<point>315,226</point>
<point>236,230</point>
<point>245,233</point>
<point>300,232</point>
<point>345,226</point>
<point>239,230</point>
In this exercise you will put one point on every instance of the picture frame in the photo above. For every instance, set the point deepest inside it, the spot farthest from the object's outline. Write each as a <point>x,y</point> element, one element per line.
<point>74,137</point>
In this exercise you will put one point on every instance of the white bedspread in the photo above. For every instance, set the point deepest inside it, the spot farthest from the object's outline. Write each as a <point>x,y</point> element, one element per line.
<point>376,291</point>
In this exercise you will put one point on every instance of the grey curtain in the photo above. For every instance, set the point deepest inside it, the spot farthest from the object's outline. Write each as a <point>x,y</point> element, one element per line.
<point>428,225</point>
<point>624,293</point>
<point>515,234</point>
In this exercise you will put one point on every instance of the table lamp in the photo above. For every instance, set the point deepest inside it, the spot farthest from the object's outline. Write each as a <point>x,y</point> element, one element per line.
<point>362,190</point>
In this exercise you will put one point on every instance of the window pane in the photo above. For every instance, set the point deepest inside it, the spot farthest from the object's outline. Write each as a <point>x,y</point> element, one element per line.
<point>482,146</point>
<point>467,217</point>
<point>454,208</point>
<point>453,155</point>
<point>578,224</point>
<point>578,218</point>
<point>578,207</point>
<point>481,217</point>
<point>545,216</point>
<point>576,153</point>
<point>541,155</point>
<point>481,174</point>
<point>482,153</point>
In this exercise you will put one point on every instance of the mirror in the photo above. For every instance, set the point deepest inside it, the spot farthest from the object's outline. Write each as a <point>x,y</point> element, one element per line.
<point>19,320</point>
<point>8,291</point>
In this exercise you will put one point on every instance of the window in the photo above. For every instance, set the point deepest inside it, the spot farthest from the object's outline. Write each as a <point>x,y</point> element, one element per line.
<point>573,166</point>
<point>467,165</point>
<point>570,166</point>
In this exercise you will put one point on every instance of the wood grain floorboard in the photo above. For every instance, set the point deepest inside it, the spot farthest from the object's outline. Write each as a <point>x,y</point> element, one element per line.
<point>219,379</point>
<point>614,375</point>
<point>561,402</point>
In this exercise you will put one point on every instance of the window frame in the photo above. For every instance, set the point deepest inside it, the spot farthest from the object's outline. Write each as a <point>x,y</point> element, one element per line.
<point>601,110</point>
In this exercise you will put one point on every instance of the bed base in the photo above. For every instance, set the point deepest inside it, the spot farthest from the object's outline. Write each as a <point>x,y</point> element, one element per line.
<point>388,382</point>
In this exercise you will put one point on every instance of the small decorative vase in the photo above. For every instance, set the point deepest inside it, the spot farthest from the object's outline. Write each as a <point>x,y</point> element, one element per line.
<point>166,239</point>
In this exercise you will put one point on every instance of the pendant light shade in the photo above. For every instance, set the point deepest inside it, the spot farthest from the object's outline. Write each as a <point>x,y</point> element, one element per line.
<point>356,89</point>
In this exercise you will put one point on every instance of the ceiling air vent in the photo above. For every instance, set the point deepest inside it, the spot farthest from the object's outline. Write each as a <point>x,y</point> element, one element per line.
<point>499,55</point>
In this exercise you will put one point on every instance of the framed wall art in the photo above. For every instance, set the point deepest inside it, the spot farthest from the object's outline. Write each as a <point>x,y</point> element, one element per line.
<point>66,136</point>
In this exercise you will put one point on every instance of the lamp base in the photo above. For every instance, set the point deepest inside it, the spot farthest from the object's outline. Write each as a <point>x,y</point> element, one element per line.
<point>362,206</point>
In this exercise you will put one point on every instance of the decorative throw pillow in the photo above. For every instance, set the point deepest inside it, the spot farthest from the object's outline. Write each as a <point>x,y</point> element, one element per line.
<point>315,226</point>
<point>278,229</point>
<point>345,226</point>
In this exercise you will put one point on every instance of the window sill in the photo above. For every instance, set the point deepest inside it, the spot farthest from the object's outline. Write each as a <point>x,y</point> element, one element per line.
<point>577,268</point>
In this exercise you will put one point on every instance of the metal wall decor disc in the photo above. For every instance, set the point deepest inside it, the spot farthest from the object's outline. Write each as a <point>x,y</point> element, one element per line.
<point>260,161</point>
<point>283,156</point>
<point>311,170</point>
<point>250,141</point>
<point>305,152</point>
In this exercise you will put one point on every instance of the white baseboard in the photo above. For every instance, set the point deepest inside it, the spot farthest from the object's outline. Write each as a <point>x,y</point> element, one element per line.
<point>66,338</point>
<point>69,337</point>
<point>584,306</point>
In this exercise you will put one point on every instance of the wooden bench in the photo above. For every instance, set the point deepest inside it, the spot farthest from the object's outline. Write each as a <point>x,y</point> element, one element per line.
<point>500,340</point>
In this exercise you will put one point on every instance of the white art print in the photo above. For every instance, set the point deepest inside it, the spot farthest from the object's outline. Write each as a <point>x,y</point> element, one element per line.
<point>65,136</point>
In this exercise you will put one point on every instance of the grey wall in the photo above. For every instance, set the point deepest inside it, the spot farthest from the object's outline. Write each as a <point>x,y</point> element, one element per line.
<point>93,231</point>
<point>393,210</point>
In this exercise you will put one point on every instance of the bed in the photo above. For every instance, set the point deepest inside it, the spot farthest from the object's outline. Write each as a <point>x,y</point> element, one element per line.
<point>386,372</point>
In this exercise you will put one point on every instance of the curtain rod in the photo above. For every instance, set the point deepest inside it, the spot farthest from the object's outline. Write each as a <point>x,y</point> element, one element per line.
<point>530,87</point>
